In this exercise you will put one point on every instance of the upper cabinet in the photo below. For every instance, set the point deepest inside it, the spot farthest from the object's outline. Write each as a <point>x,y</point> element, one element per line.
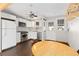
<point>8,16</point>
<point>30,23</point>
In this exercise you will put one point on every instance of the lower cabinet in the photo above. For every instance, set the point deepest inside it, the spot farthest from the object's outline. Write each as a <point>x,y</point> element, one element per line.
<point>18,37</point>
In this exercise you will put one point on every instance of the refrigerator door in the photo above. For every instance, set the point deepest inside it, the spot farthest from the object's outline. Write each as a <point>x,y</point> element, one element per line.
<point>8,24</point>
<point>11,24</point>
<point>8,34</point>
<point>8,38</point>
<point>4,23</point>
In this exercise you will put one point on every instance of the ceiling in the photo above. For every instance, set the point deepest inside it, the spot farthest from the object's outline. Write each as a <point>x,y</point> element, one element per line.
<point>41,9</point>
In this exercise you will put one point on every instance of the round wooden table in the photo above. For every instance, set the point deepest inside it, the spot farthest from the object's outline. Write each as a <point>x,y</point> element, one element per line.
<point>49,48</point>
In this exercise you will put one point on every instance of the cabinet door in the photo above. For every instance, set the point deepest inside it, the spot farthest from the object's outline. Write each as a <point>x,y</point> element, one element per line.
<point>18,37</point>
<point>8,38</point>
<point>4,35</point>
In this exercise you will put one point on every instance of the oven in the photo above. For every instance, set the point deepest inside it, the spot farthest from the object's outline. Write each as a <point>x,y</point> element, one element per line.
<point>24,36</point>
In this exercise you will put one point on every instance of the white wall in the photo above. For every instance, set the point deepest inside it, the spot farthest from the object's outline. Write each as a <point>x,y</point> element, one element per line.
<point>51,35</point>
<point>74,33</point>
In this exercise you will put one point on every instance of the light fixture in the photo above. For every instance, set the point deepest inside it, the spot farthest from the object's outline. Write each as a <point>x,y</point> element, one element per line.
<point>32,15</point>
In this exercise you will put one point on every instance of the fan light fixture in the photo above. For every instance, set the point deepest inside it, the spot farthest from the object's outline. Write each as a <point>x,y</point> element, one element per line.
<point>32,15</point>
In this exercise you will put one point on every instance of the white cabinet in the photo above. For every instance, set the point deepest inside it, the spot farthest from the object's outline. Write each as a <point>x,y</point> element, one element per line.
<point>18,37</point>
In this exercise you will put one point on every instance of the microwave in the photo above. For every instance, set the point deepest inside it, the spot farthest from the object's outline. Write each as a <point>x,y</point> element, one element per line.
<point>21,24</point>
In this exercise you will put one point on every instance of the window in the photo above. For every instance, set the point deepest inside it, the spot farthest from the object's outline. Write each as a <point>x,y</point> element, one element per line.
<point>60,22</point>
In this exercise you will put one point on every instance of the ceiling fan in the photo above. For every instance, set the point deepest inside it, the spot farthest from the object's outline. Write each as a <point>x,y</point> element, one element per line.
<point>32,16</point>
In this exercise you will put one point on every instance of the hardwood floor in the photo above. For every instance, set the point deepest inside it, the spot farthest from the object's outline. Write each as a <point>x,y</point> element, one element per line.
<point>23,49</point>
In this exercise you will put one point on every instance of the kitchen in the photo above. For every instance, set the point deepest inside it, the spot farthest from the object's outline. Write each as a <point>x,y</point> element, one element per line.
<point>21,22</point>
